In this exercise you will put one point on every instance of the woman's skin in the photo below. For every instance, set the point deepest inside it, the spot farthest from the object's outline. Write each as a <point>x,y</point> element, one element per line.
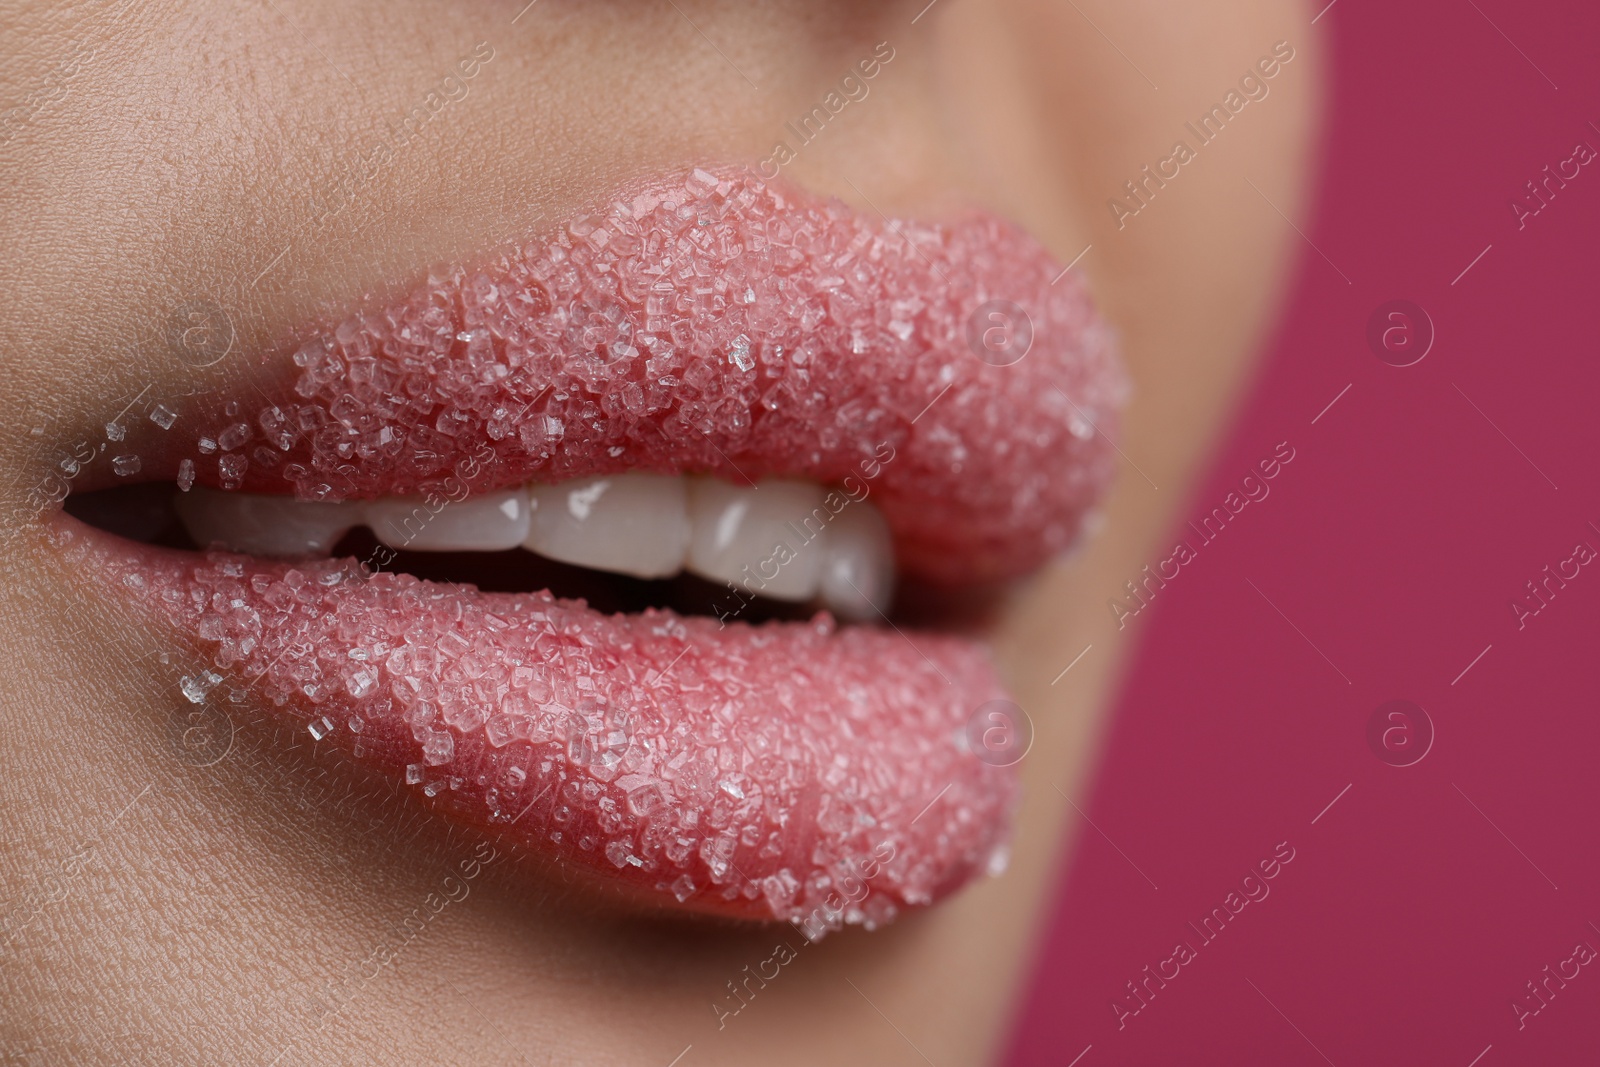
<point>152,910</point>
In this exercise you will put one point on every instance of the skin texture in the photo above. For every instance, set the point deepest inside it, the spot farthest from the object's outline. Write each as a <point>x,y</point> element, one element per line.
<point>238,911</point>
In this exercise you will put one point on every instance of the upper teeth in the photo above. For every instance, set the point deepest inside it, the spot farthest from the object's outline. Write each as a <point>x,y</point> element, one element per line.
<point>634,524</point>
<point>780,539</point>
<point>739,530</point>
<point>488,522</point>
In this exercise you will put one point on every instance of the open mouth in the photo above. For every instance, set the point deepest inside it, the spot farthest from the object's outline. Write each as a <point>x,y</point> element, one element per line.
<point>595,544</point>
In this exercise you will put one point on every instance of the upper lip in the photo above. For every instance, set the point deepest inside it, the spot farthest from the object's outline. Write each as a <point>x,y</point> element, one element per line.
<point>712,324</point>
<point>627,343</point>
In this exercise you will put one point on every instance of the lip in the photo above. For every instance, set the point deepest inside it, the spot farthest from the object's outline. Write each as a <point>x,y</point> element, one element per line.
<point>720,325</point>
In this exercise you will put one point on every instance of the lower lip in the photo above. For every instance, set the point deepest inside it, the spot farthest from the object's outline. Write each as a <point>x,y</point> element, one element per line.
<point>799,771</point>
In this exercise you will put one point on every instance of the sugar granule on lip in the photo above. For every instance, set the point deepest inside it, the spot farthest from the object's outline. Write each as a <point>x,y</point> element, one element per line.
<point>725,325</point>
<point>751,770</point>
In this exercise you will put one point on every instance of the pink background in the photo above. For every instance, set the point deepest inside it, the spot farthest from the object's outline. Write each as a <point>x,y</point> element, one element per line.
<point>1420,904</point>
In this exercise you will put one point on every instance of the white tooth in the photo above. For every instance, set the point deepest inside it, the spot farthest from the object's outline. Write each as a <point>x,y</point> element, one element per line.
<point>265,525</point>
<point>481,522</point>
<point>857,563</point>
<point>763,539</point>
<point>630,523</point>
